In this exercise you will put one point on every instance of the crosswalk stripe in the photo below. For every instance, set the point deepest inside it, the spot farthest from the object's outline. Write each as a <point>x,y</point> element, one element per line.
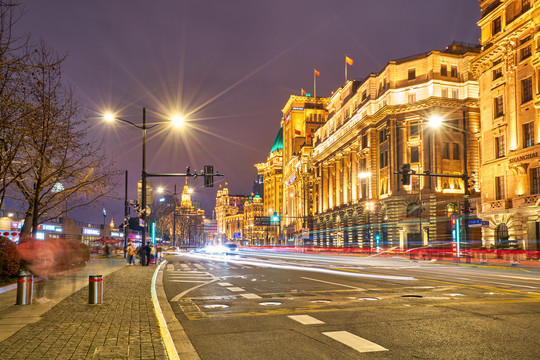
<point>225,284</point>
<point>356,342</point>
<point>199,266</point>
<point>250,296</point>
<point>235,289</point>
<point>306,319</point>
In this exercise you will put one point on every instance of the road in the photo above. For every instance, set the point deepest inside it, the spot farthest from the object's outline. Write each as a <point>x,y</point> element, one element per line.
<point>265,305</point>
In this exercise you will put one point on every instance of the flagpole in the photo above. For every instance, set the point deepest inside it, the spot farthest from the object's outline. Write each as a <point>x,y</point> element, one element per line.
<point>314,84</point>
<point>345,68</point>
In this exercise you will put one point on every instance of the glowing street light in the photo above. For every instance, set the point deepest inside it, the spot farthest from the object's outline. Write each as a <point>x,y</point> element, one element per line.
<point>110,117</point>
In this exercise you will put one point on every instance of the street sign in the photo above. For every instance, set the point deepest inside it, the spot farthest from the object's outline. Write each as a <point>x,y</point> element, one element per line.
<point>262,220</point>
<point>475,222</point>
<point>485,223</point>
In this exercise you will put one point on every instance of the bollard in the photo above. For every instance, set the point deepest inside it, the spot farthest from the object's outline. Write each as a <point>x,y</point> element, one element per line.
<point>25,287</point>
<point>95,289</point>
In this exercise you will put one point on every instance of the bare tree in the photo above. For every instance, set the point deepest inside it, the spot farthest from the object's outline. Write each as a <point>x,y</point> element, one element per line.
<point>63,164</point>
<point>14,62</point>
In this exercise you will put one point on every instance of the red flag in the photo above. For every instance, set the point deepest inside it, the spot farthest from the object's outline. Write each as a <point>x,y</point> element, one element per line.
<point>297,132</point>
<point>348,60</point>
<point>317,73</point>
<point>304,92</point>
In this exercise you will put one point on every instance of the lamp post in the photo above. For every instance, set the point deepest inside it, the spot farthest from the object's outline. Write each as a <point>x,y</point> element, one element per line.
<point>160,190</point>
<point>176,120</point>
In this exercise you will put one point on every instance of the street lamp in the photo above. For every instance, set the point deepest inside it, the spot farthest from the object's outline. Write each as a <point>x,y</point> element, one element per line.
<point>176,121</point>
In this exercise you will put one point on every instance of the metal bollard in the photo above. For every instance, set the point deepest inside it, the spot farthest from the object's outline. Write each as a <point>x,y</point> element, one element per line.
<point>95,289</point>
<point>25,288</point>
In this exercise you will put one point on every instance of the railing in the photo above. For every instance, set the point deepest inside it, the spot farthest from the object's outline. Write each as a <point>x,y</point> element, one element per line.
<point>527,200</point>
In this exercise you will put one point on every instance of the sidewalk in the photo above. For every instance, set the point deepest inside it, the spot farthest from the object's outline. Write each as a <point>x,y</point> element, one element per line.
<point>62,325</point>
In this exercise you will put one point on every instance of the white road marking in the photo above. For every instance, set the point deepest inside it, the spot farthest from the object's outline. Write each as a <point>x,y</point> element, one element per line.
<point>177,297</point>
<point>333,283</point>
<point>170,267</point>
<point>305,319</point>
<point>235,289</point>
<point>199,266</point>
<point>224,284</point>
<point>187,281</point>
<point>356,342</point>
<point>250,296</point>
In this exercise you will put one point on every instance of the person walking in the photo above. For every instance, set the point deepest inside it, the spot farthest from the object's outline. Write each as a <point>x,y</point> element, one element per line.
<point>148,251</point>
<point>130,252</point>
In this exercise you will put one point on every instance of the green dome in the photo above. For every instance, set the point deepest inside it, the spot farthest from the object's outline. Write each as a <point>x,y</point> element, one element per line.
<point>278,143</point>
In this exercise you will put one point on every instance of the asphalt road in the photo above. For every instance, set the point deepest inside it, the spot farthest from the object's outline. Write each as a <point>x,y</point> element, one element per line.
<point>262,305</point>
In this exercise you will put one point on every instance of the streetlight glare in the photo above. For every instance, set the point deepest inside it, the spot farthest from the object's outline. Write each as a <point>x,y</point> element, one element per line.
<point>435,121</point>
<point>160,189</point>
<point>190,191</point>
<point>109,117</point>
<point>364,175</point>
<point>178,121</point>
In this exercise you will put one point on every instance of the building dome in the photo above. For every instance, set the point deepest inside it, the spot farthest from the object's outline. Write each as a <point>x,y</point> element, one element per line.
<point>278,143</point>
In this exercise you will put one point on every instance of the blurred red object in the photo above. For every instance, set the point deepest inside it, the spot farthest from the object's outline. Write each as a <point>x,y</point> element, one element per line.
<point>47,257</point>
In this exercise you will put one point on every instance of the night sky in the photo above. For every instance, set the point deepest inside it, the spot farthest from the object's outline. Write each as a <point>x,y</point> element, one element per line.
<point>229,65</point>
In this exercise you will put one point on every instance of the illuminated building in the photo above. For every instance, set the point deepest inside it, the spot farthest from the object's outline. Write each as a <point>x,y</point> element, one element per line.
<point>508,70</point>
<point>229,214</point>
<point>272,173</point>
<point>253,234</point>
<point>378,124</point>
<point>302,116</point>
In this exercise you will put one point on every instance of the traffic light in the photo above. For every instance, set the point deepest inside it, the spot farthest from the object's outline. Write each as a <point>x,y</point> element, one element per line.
<point>377,237</point>
<point>208,176</point>
<point>275,218</point>
<point>406,174</point>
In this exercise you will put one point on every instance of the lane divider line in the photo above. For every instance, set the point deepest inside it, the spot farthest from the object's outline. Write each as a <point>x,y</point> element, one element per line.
<point>250,296</point>
<point>356,342</point>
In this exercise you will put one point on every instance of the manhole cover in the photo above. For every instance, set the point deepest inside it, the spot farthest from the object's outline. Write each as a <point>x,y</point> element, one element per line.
<point>270,303</point>
<point>412,296</point>
<point>367,298</point>
<point>320,301</point>
<point>216,306</point>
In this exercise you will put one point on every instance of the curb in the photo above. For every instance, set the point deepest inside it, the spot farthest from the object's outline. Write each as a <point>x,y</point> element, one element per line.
<point>169,323</point>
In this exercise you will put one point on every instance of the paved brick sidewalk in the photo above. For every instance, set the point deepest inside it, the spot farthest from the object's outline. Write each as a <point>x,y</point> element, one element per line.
<point>123,327</point>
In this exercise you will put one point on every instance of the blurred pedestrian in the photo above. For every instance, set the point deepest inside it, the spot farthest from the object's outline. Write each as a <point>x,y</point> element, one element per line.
<point>130,252</point>
<point>106,250</point>
<point>153,253</point>
<point>148,251</point>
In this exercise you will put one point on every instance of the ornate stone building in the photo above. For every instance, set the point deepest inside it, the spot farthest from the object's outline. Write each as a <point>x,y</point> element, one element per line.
<point>508,70</point>
<point>380,123</point>
<point>302,116</point>
<point>254,234</point>
<point>272,172</point>
<point>229,214</point>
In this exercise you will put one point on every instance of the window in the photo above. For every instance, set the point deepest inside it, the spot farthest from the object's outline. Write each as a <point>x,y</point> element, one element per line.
<point>496,26</point>
<point>383,136</point>
<point>525,5</point>
<point>455,151</point>
<point>526,52</point>
<point>446,151</point>
<point>454,125</point>
<point>412,74</point>
<point>499,147</point>
<point>497,73</point>
<point>526,89</point>
<point>413,129</point>
<point>528,134</point>
<point>364,141</point>
<point>383,159</point>
<point>415,154</point>
<point>444,92</point>
<point>412,98</point>
<point>501,234</point>
<point>499,188</point>
<point>499,110</point>
<point>453,71</point>
<point>444,70</point>
<point>535,181</point>
<point>364,95</point>
<point>455,94</point>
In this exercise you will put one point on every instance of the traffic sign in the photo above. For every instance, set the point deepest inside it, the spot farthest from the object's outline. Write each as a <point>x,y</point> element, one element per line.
<point>475,222</point>
<point>262,220</point>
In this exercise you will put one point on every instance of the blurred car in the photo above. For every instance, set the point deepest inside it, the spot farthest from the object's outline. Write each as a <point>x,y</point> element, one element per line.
<point>171,250</point>
<point>231,249</point>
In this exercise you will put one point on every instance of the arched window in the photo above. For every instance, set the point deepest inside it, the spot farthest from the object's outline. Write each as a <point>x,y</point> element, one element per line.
<point>501,234</point>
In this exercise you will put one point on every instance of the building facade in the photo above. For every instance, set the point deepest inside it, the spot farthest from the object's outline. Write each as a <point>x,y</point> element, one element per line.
<point>302,116</point>
<point>508,71</point>
<point>229,214</point>
<point>378,124</point>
